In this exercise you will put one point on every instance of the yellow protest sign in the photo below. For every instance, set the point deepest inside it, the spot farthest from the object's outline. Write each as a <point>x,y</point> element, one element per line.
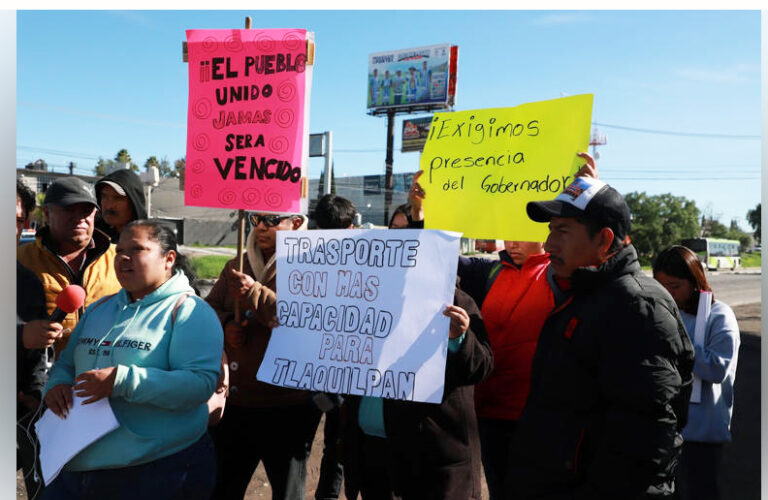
<point>481,167</point>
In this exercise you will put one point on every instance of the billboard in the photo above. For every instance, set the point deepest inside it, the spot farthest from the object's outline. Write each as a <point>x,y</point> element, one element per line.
<point>415,131</point>
<point>421,76</point>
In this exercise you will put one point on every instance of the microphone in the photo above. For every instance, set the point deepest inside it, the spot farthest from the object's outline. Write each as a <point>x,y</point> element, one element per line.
<point>69,300</point>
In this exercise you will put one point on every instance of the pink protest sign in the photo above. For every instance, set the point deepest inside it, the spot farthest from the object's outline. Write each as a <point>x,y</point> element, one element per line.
<point>248,92</point>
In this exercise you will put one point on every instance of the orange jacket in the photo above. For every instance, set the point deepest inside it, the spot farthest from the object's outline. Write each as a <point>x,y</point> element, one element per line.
<point>514,310</point>
<point>98,278</point>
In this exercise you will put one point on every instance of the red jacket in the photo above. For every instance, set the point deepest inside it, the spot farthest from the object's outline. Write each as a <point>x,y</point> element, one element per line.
<point>514,311</point>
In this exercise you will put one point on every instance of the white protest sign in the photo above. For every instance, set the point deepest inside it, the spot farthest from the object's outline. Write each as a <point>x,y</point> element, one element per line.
<point>699,337</point>
<point>360,312</point>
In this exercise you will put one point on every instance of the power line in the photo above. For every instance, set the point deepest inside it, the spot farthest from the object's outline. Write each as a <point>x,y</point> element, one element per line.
<point>684,134</point>
<point>686,179</point>
<point>58,152</point>
<point>359,151</point>
<point>697,171</point>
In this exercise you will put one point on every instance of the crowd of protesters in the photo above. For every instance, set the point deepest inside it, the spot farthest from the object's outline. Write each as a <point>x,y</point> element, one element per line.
<point>568,375</point>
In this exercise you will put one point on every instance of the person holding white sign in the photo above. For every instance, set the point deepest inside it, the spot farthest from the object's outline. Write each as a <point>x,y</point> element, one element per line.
<point>679,270</point>
<point>262,422</point>
<point>421,451</point>
<point>154,350</point>
<point>405,450</point>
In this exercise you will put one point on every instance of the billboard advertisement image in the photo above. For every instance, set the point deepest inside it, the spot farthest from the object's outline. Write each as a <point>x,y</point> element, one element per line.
<point>415,132</point>
<point>411,77</point>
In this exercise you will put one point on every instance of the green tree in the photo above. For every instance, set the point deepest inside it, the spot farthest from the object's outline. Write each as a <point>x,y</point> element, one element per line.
<point>165,168</point>
<point>713,228</point>
<point>152,162</point>
<point>736,233</point>
<point>37,214</point>
<point>659,221</point>
<point>102,166</point>
<point>123,157</point>
<point>180,165</point>
<point>753,218</point>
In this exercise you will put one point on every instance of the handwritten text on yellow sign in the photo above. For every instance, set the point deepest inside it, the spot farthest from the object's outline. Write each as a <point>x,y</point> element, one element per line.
<point>481,167</point>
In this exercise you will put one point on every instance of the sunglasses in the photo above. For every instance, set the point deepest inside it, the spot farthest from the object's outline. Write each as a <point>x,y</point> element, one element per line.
<point>268,220</point>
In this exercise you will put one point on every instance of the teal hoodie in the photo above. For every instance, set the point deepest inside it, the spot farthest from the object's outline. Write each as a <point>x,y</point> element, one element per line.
<point>166,371</point>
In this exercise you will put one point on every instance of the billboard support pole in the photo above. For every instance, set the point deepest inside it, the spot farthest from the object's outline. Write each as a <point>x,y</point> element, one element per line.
<point>328,160</point>
<point>388,181</point>
<point>240,226</point>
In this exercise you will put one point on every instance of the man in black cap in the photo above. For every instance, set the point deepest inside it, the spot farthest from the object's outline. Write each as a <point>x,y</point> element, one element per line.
<point>612,372</point>
<point>121,198</point>
<point>68,250</point>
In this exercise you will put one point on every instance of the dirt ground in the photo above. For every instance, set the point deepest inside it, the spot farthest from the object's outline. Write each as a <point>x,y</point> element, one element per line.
<point>741,464</point>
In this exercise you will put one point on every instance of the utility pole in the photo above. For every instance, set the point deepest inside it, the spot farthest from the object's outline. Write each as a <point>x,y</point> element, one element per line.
<point>598,139</point>
<point>388,181</point>
<point>328,162</point>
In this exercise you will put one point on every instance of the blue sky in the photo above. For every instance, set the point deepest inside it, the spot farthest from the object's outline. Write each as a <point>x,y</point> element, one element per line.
<point>92,82</point>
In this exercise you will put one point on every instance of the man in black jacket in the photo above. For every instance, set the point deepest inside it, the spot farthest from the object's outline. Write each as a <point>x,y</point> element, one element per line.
<point>612,372</point>
<point>121,199</point>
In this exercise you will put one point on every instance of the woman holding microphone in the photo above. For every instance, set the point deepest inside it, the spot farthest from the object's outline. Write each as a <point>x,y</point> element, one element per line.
<point>154,349</point>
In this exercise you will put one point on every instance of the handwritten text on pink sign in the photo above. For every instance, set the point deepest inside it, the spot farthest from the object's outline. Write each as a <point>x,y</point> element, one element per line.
<point>245,121</point>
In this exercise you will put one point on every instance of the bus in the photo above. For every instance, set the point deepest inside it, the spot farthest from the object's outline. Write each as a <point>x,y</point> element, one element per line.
<point>715,253</point>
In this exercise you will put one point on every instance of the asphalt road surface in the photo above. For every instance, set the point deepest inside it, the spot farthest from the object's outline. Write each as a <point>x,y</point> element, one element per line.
<point>736,288</point>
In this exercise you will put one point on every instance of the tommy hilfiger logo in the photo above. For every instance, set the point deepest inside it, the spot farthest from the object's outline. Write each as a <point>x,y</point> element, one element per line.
<point>122,343</point>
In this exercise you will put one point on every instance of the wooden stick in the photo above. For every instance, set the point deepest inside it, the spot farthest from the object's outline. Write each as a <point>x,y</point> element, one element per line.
<point>240,226</point>
<point>240,238</point>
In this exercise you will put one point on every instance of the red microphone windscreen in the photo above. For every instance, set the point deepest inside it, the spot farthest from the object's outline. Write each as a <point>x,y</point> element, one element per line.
<point>71,298</point>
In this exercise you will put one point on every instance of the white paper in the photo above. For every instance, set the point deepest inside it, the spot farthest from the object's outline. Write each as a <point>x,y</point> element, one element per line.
<point>699,337</point>
<point>62,439</point>
<point>397,345</point>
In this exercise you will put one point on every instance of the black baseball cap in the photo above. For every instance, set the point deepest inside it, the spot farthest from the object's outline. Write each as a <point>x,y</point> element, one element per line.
<point>589,198</point>
<point>68,191</point>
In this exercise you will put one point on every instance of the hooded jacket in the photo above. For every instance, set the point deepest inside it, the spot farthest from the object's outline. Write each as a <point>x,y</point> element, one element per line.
<point>166,371</point>
<point>610,385</point>
<point>134,189</point>
<point>98,277</point>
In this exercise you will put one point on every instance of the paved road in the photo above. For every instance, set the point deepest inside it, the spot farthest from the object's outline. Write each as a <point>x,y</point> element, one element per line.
<point>737,288</point>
